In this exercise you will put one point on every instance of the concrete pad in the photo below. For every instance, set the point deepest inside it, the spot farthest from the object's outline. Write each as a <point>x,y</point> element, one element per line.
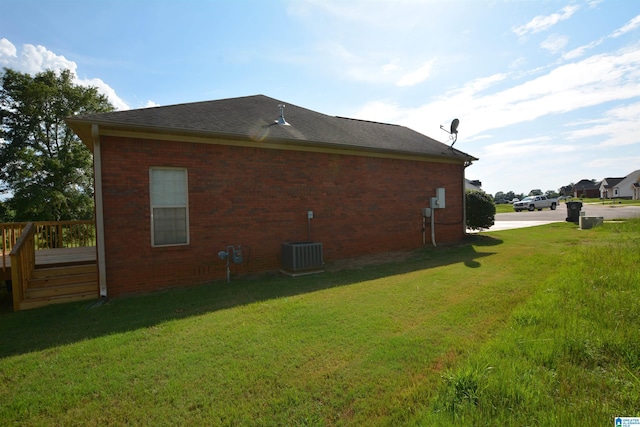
<point>509,225</point>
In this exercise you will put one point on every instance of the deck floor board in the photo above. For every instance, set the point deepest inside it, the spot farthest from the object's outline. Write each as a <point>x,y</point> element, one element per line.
<point>49,257</point>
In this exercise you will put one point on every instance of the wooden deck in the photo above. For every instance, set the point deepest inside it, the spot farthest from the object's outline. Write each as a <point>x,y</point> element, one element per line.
<point>60,275</point>
<point>59,257</point>
<point>53,262</point>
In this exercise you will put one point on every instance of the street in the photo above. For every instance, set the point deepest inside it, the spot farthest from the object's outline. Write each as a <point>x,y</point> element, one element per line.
<point>510,220</point>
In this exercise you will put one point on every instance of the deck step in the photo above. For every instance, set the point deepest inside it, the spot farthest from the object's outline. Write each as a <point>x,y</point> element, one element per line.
<point>50,282</point>
<point>41,302</point>
<point>55,285</point>
<point>43,273</point>
<point>62,290</point>
<point>60,276</point>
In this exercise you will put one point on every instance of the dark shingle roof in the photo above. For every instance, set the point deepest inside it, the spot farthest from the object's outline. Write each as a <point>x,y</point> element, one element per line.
<point>586,184</point>
<point>611,182</point>
<point>254,117</point>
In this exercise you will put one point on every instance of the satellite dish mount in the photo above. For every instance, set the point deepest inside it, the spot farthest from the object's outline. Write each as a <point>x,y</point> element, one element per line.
<point>453,131</point>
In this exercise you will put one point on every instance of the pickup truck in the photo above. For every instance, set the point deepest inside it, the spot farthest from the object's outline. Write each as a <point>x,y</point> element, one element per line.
<point>532,203</point>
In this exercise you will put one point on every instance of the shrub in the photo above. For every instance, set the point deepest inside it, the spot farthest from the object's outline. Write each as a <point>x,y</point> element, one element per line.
<point>481,211</point>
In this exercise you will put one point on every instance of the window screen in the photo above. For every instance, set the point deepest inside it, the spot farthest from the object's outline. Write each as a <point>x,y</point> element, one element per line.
<point>169,213</point>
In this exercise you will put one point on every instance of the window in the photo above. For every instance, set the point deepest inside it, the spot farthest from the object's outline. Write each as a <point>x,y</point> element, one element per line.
<point>169,213</point>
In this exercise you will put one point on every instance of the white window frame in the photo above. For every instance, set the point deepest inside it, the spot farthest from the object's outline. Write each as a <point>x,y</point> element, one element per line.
<point>155,204</point>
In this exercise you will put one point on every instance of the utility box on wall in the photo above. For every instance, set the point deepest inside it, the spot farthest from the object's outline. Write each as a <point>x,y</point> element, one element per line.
<point>440,198</point>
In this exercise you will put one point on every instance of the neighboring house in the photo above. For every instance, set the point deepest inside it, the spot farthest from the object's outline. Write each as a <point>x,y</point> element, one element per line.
<point>473,185</point>
<point>586,188</point>
<point>608,188</point>
<point>566,190</point>
<point>628,187</point>
<point>176,185</point>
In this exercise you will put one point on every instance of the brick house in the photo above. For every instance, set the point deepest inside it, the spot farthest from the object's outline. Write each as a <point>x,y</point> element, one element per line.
<point>586,188</point>
<point>175,185</point>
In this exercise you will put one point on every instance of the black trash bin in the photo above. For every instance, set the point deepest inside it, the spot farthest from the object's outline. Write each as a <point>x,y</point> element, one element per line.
<point>573,211</point>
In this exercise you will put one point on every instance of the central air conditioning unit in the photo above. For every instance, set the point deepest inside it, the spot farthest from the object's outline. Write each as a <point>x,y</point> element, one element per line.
<point>300,258</point>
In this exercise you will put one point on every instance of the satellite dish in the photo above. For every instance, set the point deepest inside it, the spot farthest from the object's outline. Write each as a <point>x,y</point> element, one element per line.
<point>454,126</point>
<point>453,131</point>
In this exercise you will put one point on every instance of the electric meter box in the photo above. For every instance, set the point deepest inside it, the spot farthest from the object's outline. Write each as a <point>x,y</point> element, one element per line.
<point>440,198</point>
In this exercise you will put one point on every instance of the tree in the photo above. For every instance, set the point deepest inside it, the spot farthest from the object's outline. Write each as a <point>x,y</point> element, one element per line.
<point>43,166</point>
<point>4,212</point>
<point>481,210</point>
<point>551,194</point>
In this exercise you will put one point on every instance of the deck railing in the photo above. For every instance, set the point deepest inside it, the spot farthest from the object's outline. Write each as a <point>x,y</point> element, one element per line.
<point>10,234</point>
<point>48,235</point>
<point>23,261</point>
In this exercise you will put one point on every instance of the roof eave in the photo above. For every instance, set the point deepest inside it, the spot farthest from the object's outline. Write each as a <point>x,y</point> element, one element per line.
<point>82,127</point>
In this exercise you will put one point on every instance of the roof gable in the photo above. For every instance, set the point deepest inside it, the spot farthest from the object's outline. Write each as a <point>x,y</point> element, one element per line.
<point>255,118</point>
<point>610,182</point>
<point>630,179</point>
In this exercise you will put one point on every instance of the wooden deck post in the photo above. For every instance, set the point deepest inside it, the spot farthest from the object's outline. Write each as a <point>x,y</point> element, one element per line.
<point>23,261</point>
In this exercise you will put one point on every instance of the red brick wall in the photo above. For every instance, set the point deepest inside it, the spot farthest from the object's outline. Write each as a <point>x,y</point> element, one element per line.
<point>259,198</point>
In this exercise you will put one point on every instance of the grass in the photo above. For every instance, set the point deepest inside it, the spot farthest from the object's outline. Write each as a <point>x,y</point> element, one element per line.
<point>503,208</point>
<point>627,202</point>
<point>505,327</point>
<point>569,356</point>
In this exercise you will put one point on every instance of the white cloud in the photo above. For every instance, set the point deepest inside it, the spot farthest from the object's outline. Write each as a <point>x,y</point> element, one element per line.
<point>7,51</point>
<point>105,89</point>
<point>37,58</point>
<point>518,62</point>
<point>483,83</point>
<point>580,51</point>
<point>621,164</point>
<point>527,147</point>
<point>555,43</point>
<point>34,59</point>
<point>542,22</point>
<point>629,26</point>
<point>417,76</point>
<point>619,126</point>
<point>593,81</point>
<point>338,51</point>
<point>151,104</point>
<point>382,111</point>
<point>390,68</point>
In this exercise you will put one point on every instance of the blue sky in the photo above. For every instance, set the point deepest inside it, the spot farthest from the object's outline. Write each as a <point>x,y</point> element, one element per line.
<point>547,92</point>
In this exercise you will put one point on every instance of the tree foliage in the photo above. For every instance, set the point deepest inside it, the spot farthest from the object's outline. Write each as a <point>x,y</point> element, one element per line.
<point>508,196</point>
<point>44,167</point>
<point>551,194</point>
<point>5,215</point>
<point>481,211</point>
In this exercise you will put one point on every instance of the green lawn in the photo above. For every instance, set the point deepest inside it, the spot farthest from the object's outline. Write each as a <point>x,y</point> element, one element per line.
<point>503,208</point>
<point>526,327</point>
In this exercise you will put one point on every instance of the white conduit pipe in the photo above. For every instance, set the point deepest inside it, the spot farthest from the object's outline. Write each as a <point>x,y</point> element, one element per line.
<point>433,231</point>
